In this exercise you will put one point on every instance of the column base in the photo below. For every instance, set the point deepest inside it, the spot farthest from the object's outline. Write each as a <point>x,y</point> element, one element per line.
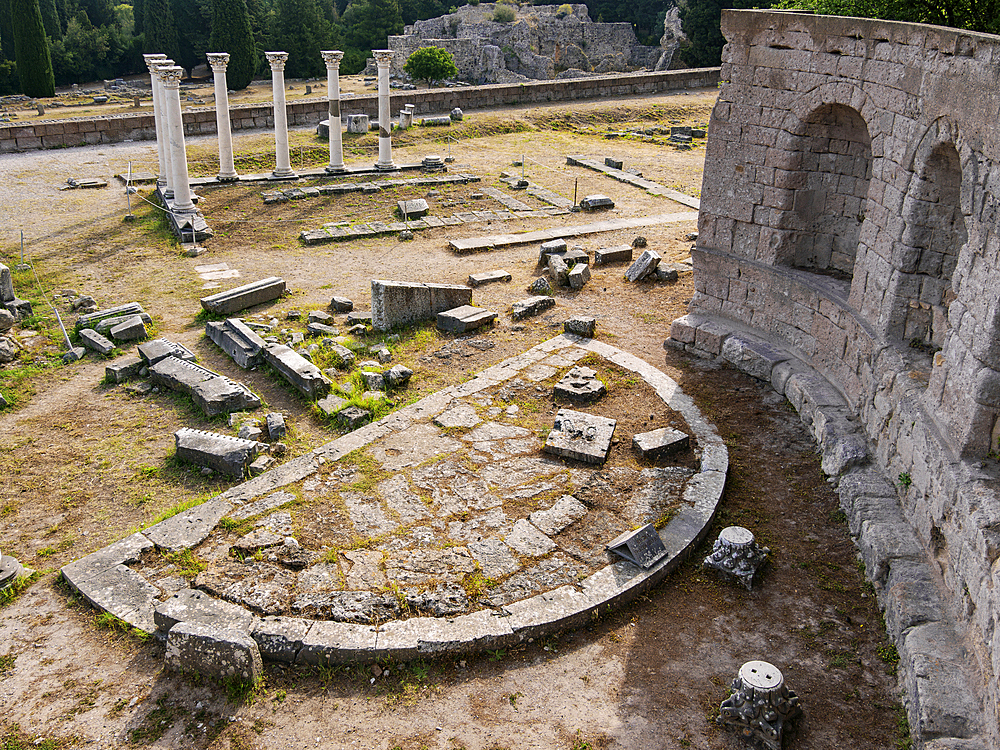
<point>390,167</point>
<point>283,174</point>
<point>335,169</point>
<point>228,177</point>
<point>168,193</point>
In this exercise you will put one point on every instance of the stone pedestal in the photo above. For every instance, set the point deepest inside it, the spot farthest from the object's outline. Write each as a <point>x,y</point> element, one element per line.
<point>760,705</point>
<point>735,553</point>
<point>170,79</point>
<point>227,169</point>
<point>332,60</point>
<point>154,84</point>
<point>383,58</point>
<point>283,164</point>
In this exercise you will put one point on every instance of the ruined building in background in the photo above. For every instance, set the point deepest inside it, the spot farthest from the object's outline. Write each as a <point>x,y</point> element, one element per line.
<point>543,42</point>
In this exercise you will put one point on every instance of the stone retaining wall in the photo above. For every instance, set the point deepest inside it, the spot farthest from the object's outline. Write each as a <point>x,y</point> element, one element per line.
<point>849,216</point>
<point>309,112</point>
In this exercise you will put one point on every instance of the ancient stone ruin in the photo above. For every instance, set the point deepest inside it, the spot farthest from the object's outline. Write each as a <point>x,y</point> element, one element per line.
<point>542,43</point>
<point>848,254</point>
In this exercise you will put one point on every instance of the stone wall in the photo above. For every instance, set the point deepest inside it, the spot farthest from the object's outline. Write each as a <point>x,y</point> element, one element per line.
<point>849,215</point>
<point>309,112</point>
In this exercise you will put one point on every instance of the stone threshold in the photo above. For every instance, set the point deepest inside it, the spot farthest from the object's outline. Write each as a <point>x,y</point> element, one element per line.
<point>104,579</point>
<point>934,674</point>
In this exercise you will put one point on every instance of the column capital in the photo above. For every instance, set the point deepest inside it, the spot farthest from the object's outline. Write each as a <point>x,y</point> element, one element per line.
<point>218,61</point>
<point>153,60</point>
<point>332,58</point>
<point>277,60</point>
<point>170,75</point>
<point>383,57</point>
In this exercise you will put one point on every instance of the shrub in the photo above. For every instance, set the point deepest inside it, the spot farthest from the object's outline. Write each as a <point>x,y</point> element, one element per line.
<point>564,10</point>
<point>431,63</point>
<point>504,14</point>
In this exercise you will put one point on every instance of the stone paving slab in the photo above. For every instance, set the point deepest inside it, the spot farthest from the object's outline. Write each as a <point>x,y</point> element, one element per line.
<point>302,640</point>
<point>651,187</point>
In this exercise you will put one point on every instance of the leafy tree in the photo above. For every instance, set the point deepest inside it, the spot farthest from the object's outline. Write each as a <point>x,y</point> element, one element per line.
<point>701,21</point>
<point>504,14</point>
<point>431,63</point>
<point>974,15</point>
<point>100,12</point>
<point>231,32</point>
<point>301,30</point>
<point>159,30</point>
<point>370,23</point>
<point>31,49</point>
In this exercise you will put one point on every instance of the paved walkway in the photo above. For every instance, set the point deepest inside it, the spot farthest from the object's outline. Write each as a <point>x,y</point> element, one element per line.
<point>491,242</point>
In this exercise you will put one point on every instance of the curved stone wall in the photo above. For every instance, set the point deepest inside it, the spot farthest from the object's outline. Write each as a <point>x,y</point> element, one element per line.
<point>849,216</point>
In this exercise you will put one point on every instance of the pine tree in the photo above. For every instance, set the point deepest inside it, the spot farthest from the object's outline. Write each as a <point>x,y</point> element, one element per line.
<point>370,23</point>
<point>31,49</point>
<point>301,30</point>
<point>6,32</point>
<point>231,32</point>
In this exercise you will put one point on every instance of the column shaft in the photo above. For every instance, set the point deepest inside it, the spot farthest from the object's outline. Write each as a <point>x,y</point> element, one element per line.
<point>332,60</point>
<point>154,83</point>
<point>383,58</point>
<point>227,169</point>
<point>171,77</point>
<point>283,166</point>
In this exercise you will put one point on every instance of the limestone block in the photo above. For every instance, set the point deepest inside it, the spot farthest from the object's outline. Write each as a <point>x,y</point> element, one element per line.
<point>123,369</point>
<point>193,606</point>
<point>580,436</point>
<point>488,277</point>
<point>302,374</point>
<point>412,209</point>
<point>130,329</point>
<point>845,452</point>
<point>564,512</point>
<point>96,342</point>
<point>280,638</point>
<point>397,303</point>
<point>121,311</point>
<point>753,356</point>
<point>237,340</point>
<point>331,404</point>
<point>214,651</point>
<point>581,325</point>
<point>227,455</point>
<point>596,201</point>
<point>643,266</point>
<point>189,527</point>
<point>345,357</point>
<point>248,295</point>
<point>465,318</point>
<point>158,349</point>
<point>531,306</point>
<point>105,325</point>
<point>525,539</point>
<point>550,247</point>
<point>212,392</point>
<point>616,254</point>
<point>579,275</point>
<point>6,284</point>
<point>660,442</point>
<point>341,304</point>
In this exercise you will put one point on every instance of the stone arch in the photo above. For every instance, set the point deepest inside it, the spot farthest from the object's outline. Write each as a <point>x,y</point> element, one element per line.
<point>934,233</point>
<point>828,186</point>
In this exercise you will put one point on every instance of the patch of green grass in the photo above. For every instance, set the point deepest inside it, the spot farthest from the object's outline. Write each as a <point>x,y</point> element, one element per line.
<point>179,508</point>
<point>18,384</point>
<point>156,723</point>
<point>185,562</point>
<point>243,692</point>
<point>18,587</point>
<point>13,738</point>
<point>581,744</point>
<point>7,663</point>
<point>904,741</point>
<point>476,584</point>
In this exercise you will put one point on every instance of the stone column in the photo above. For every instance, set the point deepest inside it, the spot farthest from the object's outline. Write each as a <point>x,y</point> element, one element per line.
<point>154,84</point>
<point>383,58</point>
<point>171,81</point>
<point>227,170</point>
<point>332,60</point>
<point>283,165</point>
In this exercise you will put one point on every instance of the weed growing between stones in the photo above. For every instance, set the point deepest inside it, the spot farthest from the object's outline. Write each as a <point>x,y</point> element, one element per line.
<point>186,563</point>
<point>179,508</point>
<point>18,587</point>
<point>13,738</point>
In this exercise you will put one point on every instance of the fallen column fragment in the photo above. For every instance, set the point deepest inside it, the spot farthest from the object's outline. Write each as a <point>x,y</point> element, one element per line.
<point>227,455</point>
<point>212,392</point>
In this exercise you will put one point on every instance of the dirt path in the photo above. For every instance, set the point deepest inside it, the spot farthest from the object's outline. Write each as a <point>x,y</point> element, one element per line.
<point>82,464</point>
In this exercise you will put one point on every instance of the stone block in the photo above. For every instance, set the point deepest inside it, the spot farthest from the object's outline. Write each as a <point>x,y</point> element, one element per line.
<point>91,320</point>
<point>580,436</point>
<point>6,284</point>
<point>356,317</point>
<point>615,254</point>
<point>753,356</point>
<point>488,277</point>
<point>214,393</point>
<point>242,297</point>
<point>465,318</point>
<point>558,269</point>
<point>159,349</point>
<point>613,163</point>
<point>357,124</point>
<point>398,376</point>
<point>123,368</point>
<point>20,309</point>
<point>660,442</point>
<point>353,417</point>
<point>560,516</point>
<point>192,606</point>
<point>302,374</point>
<point>527,540</point>
<point>396,303</point>
<point>531,306</point>
<point>74,354</point>
<point>213,651</point>
<point>96,342</point>
<point>579,275</point>
<point>412,209</point>
<point>280,638</point>
<point>341,304</point>
<point>331,404</point>
<point>130,329</point>
<point>227,455</point>
<point>237,340</point>
<point>580,384</point>
<point>104,326</point>
<point>320,329</point>
<point>345,356</point>
<point>643,266</point>
<point>550,247</point>
<point>189,527</point>
<point>596,202</point>
<point>581,325</point>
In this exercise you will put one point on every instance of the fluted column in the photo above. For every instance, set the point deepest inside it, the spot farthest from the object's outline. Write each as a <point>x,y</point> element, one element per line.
<point>283,164</point>
<point>227,169</point>
<point>332,60</point>
<point>154,85</point>
<point>171,80</point>
<point>383,58</point>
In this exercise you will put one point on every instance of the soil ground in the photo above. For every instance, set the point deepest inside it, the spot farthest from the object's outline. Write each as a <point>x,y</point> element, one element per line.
<point>83,464</point>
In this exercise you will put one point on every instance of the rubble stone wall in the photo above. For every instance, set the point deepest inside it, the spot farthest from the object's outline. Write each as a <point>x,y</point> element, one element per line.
<point>849,212</point>
<point>201,121</point>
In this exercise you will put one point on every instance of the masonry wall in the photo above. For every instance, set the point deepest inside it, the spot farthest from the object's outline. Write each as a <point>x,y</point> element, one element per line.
<point>850,212</point>
<point>309,112</point>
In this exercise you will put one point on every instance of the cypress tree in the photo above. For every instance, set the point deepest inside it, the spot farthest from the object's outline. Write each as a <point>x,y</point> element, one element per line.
<point>31,49</point>
<point>138,16</point>
<point>301,31</point>
<point>50,18</point>
<point>193,21</point>
<point>159,31</point>
<point>232,33</point>
<point>6,32</point>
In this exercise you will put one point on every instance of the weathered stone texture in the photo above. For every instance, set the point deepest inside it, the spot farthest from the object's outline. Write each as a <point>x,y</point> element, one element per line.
<point>397,303</point>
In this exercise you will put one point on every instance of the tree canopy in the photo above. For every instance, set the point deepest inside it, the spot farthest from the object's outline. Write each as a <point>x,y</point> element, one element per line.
<point>431,63</point>
<point>31,49</point>
<point>973,15</point>
<point>232,33</point>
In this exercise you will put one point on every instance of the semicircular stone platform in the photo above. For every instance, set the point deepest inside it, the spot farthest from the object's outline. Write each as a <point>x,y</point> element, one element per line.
<point>445,526</point>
